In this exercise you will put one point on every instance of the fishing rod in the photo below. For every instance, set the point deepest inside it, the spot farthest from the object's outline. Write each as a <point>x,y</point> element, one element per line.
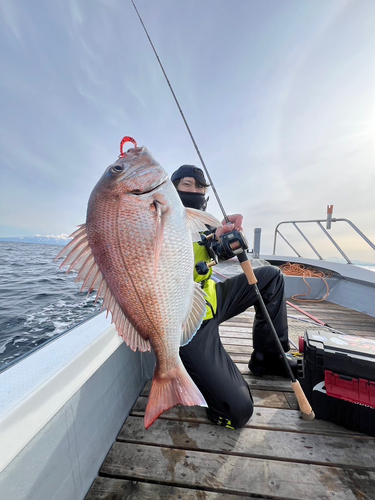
<point>237,243</point>
<point>184,119</point>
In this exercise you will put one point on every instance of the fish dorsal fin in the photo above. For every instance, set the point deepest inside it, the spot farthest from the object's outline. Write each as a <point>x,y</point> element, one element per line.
<point>78,257</point>
<point>195,318</point>
<point>197,220</point>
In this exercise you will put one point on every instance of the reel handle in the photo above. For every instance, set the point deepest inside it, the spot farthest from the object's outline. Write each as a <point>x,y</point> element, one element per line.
<point>203,267</point>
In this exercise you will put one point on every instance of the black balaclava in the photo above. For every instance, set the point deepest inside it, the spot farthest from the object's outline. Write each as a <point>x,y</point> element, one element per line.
<point>191,200</point>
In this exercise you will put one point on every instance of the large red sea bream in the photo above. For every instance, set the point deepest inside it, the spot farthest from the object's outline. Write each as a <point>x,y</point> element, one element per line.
<point>136,251</point>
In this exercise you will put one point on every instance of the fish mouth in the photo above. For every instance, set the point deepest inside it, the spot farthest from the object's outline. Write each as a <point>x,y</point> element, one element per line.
<point>138,192</point>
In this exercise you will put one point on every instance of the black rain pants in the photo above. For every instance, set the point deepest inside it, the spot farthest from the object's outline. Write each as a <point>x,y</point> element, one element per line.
<point>207,362</point>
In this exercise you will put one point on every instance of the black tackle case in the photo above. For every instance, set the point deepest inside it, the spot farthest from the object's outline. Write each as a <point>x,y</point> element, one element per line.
<point>338,377</point>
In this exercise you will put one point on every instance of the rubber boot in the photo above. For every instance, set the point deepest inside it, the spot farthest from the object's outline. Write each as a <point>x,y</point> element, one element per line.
<point>271,364</point>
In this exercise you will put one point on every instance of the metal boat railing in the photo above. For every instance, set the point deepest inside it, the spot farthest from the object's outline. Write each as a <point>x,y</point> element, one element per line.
<point>319,222</point>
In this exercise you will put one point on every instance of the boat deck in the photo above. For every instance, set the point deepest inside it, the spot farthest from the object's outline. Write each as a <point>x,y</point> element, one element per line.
<point>277,455</point>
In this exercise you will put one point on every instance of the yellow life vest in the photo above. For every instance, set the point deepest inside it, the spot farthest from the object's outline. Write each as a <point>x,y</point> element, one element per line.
<point>209,285</point>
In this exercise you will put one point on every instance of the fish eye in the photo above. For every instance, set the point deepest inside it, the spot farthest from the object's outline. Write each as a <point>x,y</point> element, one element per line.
<point>117,169</point>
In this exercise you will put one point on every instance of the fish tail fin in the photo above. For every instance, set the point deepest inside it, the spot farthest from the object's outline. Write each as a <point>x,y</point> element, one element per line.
<point>173,388</point>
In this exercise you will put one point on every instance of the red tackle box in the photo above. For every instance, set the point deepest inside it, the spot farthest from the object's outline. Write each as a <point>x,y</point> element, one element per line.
<point>338,377</point>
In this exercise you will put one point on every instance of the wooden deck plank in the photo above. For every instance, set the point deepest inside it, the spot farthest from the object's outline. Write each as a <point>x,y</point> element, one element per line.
<point>237,474</point>
<point>323,310</point>
<point>240,358</point>
<point>108,488</point>
<point>323,306</point>
<point>326,313</point>
<point>257,384</point>
<point>342,319</point>
<point>229,335</point>
<point>352,322</point>
<point>265,383</point>
<point>275,399</point>
<point>263,418</point>
<point>358,452</point>
<point>292,400</point>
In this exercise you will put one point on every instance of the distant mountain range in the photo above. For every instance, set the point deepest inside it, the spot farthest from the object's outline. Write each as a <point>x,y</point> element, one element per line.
<point>60,239</point>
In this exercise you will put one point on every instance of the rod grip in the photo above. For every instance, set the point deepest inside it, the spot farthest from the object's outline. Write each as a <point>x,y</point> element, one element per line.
<point>304,405</point>
<point>247,268</point>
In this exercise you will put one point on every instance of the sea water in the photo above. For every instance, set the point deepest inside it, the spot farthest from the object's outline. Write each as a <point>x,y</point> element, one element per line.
<point>38,301</point>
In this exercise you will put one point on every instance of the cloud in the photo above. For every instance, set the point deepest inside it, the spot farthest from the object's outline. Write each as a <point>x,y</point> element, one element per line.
<point>11,14</point>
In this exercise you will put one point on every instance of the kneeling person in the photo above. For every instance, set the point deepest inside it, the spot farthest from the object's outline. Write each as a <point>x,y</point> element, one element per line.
<point>226,392</point>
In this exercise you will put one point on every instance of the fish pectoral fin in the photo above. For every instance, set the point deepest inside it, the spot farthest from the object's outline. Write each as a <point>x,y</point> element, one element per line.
<point>197,220</point>
<point>78,257</point>
<point>195,317</point>
<point>161,211</point>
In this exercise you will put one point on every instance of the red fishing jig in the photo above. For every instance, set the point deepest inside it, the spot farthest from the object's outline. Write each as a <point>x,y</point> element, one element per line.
<point>124,141</point>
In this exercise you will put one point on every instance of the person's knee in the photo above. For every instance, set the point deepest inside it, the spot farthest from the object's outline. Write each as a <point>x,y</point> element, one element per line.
<point>242,411</point>
<point>243,416</point>
<point>270,283</point>
<point>267,272</point>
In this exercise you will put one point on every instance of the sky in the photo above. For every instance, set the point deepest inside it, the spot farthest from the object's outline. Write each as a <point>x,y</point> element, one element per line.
<point>279,95</point>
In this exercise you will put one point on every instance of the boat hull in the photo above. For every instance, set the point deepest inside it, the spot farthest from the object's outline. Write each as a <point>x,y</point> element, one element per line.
<point>62,408</point>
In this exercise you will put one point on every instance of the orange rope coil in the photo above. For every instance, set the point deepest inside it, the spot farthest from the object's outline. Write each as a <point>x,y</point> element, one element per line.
<point>306,272</point>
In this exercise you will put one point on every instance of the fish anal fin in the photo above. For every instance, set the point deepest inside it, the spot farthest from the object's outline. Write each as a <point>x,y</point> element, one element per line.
<point>173,388</point>
<point>196,315</point>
